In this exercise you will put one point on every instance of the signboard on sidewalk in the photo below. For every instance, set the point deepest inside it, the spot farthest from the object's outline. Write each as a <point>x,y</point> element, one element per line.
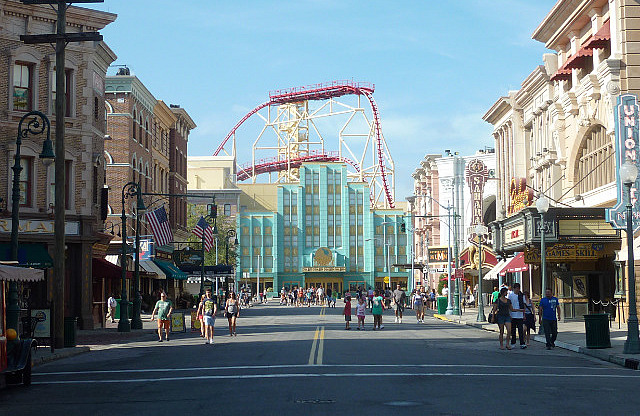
<point>195,323</point>
<point>627,129</point>
<point>43,327</point>
<point>177,322</point>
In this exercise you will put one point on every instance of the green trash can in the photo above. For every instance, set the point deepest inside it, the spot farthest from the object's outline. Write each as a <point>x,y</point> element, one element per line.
<point>130,309</point>
<point>442,305</point>
<point>597,330</point>
<point>70,331</point>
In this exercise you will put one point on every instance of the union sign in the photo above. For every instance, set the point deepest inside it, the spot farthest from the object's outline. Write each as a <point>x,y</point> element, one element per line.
<point>627,126</point>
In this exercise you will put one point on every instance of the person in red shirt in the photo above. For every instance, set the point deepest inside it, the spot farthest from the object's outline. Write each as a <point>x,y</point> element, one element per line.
<point>347,312</point>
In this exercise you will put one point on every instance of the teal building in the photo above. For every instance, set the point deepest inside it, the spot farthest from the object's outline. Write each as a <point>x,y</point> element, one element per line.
<point>321,230</point>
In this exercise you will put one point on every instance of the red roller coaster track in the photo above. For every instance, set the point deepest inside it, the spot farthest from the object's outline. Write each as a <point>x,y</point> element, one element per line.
<point>310,93</point>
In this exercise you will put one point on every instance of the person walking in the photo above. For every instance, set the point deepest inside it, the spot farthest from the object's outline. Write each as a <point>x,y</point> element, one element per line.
<point>494,295</point>
<point>529,317</point>
<point>232,311</point>
<point>517,315</point>
<point>209,309</point>
<point>361,308</point>
<point>370,297</point>
<point>502,309</point>
<point>549,314</point>
<point>163,307</point>
<point>432,298</point>
<point>347,312</point>
<point>399,298</point>
<point>377,309</point>
<point>112,303</point>
<point>200,317</point>
<point>418,303</point>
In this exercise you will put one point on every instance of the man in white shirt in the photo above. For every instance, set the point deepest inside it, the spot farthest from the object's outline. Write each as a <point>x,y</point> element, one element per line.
<point>112,303</point>
<point>517,316</point>
<point>445,291</point>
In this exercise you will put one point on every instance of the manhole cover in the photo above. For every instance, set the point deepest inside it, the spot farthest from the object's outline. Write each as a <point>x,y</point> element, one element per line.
<point>314,401</point>
<point>401,403</point>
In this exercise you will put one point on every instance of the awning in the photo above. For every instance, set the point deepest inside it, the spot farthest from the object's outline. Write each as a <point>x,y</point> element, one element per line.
<point>577,59</point>
<point>20,274</point>
<point>493,273</point>
<point>150,267</point>
<point>208,278</point>
<point>561,75</point>
<point>515,264</point>
<point>113,258</point>
<point>601,39</point>
<point>171,270</point>
<point>106,269</point>
<point>29,255</point>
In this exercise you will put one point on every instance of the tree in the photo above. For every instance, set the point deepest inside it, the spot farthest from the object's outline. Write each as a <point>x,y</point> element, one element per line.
<point>223,223</point>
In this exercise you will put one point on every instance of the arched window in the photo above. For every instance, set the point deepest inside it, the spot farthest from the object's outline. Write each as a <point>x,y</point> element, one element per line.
<point>595,162</point>
<point>134,125</point>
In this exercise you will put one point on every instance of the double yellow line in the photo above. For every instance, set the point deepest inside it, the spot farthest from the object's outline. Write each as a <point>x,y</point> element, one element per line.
<point>318,344</point>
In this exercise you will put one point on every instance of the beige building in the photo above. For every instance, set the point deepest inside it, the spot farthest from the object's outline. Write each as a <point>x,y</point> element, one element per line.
<point>555,136</point>
<point>214,175</point>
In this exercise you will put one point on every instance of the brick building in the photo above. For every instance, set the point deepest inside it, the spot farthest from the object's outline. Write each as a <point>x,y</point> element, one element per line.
<point>27,78</point>
<point>178,138</point>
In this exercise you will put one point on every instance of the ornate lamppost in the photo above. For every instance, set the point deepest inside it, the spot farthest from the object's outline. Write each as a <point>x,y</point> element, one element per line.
<point>628,174</point>
<point>542,205</point>
<point>36,123</point>
<point>481,231</point>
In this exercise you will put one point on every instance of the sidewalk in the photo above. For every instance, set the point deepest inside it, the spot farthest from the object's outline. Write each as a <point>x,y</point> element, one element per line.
<point>99,338</point>
<point>571,336</point>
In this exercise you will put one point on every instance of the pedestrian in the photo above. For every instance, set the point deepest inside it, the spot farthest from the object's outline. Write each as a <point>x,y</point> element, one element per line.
<point>377,309</point>
<point>347,312</point>
<point>517,315</point>
<point>399,298</point>
<point>209,309</point>
<point>445,290</point>
<point>529,317</point>
<point>329,295</point>
<point>432,298</point>
<point>200,317</point>
<point>370,297</point>
<point>549,313</point>
<point>495,295</point>
<point>425,299</point>
<point>361,308</point>
<point>502,309</point>
<point>163,307</point>
<point>418,303</point>
<point>320,294</point>
<point>232,311</point>
<point>112,303</point>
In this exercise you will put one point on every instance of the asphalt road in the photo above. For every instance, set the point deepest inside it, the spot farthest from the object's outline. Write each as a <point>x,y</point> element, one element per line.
<point>302,360</point>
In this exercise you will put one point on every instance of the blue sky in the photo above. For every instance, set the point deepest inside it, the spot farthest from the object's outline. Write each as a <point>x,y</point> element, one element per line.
<point>437,65</point>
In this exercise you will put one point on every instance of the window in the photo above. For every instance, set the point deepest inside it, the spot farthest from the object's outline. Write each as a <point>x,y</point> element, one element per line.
<point>227,209</point>
<point>22,87</point>
<point>596,161</point>
<point>146,135</point>
<point>26,181</point>
<point>134,124</point>
<point>67,90</point>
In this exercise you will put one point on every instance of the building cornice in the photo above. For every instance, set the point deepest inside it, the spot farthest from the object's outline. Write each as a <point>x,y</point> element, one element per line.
<point>566,16</point>
<point>534,83</point>
<point>131,84</point>
<point>164,114</point>
<point>497,110</point>
<point>86,20</point>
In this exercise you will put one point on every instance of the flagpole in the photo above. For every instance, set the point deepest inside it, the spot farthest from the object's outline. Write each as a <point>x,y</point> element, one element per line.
<point>202,271</point>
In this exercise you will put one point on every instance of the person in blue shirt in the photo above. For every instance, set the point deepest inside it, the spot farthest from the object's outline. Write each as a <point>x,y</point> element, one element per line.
<point>549,312</point>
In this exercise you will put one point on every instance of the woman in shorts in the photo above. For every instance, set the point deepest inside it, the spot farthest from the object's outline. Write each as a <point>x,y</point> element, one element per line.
<point>232,311</point>
<point>502,308</point>
<point>529,317</point>
<point>418,303</point>
<point>200,317</point>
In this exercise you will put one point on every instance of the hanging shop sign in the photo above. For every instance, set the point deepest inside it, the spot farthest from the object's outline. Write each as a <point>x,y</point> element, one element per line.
<point>520,196</point>
<point>438,255</point>
<point>146,249</point>
<point>567,252</point>
<point>187,257</point>
<point>627,129</point>
<point>477,175</point>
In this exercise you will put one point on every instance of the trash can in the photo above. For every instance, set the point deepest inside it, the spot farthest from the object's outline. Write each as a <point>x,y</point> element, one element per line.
<point>130,309</point>
<point>597,330</point>
<point>70,331</point>
<point>442,305</point>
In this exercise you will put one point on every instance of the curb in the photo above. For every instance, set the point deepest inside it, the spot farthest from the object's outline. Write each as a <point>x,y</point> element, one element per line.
<point>60,354</point>
<point>631,363</point>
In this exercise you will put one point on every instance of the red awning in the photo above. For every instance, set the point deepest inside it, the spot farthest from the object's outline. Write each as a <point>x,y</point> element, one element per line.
<point>601,39</point>
<point>576,61</point>
<point>104,268</point>
<point>516,264</point>
<point>561,75</point>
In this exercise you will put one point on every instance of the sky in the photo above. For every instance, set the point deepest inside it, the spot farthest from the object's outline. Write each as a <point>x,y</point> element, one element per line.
<point>437,66</point>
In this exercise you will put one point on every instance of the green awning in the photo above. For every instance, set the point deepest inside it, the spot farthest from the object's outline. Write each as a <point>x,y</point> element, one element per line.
<point>29,255</point>
<point>171,270</point>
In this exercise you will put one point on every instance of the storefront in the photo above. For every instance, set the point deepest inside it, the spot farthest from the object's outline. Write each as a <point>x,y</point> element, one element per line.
<point>580,253</point>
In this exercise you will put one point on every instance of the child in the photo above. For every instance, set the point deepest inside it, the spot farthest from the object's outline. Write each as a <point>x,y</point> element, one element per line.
<point>347,312</point>
<point>376,310</point>
<point>360,312</point>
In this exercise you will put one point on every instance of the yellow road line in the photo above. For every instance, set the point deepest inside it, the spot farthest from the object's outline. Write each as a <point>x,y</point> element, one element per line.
<point>313,346</point>
<point>320,347</point>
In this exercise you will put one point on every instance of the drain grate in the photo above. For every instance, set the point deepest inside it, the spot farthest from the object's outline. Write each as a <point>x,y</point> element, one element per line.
<point>314,401</point>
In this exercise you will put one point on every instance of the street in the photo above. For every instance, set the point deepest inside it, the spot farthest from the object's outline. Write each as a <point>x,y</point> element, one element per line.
<point>303,360</point>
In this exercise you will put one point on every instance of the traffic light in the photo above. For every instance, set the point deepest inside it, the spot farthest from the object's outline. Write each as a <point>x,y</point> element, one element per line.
<point>403,228</point>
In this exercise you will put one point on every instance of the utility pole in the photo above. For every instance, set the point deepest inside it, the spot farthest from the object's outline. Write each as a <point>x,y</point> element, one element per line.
<point>60,39</point>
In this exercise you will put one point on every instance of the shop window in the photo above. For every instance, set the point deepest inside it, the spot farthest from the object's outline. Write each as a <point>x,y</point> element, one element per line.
<point>22,87</point>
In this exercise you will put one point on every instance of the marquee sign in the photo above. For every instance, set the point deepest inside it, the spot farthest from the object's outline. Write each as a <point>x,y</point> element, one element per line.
<point>477,175</point>
<point>438,255</point>
<point>520,196</point>
<point>627,126</point>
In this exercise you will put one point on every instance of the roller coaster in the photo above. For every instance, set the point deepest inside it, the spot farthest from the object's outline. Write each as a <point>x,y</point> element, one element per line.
<point>298,139</point>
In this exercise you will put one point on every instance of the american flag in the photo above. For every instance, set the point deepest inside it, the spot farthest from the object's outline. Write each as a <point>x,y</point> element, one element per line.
<point>160,226</point>
<point>203,226</point>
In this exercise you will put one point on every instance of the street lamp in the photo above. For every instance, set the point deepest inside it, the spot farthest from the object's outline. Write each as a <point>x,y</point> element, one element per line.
<point>129,190</point>
<point>37,123</point>
<point>542,205</point>
<point>628,175</point>
<point>136,321</point>
<point>230,234</point>
<point>481,231</point>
